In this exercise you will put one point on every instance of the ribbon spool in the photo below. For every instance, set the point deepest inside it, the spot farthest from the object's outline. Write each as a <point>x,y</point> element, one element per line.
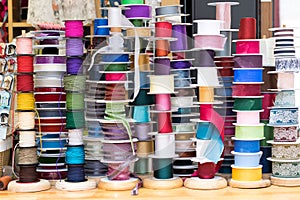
<point>250,75</point>
<point>94,168</point>
<point>247,28</point>
<point>246,90</point>
<point>142,166</point>
<point>75,136</point>
<point>204,58</point>
<point>26,120</point>
<point>287,80</point>
<point>167,10</point>
<point>74,65</point>
<point>74,47</point>
<point>24,45</point>
<point>208,27</point>
<point>75,173</point>
<point>115,132</point>
<point>227,46</point>
<point>98,30</point>
<point>144,148</point>
<point>138,11</point>
<point>27,138</point>
<point>247,159</point>
<point>249,130</point>
<point>57,113</point>
<point>75,119</point>
<point>27,156</point>
<point>144,62</point>
<point>163,29</point>
<point>141,114</point>
<point>162,66</point>
<point>75,101</point>
<point>163,102</point>
<point>163,168</point>
<point>276,113</point>
<point>247,61</point>
<point>25,63</point>
<point>248,103</point>
<point>28,174</point>
<point>179,32</point>
<point>51,143</point>
<point>74,28</point>
<point>162,48</point>
<point>50,59</point>
<point>118,151</point>
<point>248,117</point>
<point>248,47</point>
<point>163,84</point>
<point>49,96</point>
<point>164,145</point>
<point>117,172</point>
<point>142,130</point>
<point>206,94</point>
<point>25,101</point>
<point>164,122</point>
<point>75,155</point>
<point>74,83</point>
<point>180,64</point>
<point>115,57</point>
<point>141,32</point>
<point>125,2</point>
<point>210,41</point>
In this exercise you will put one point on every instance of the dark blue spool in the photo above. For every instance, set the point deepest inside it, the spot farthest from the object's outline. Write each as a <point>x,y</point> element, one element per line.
<point>204,130</point>
<point>75,173</point>
<point>248,75</point>
<point>181,64</point>
<point>51,105</point>
<point>246,146</point>
<point>52,113</point>
<point>101,22</point>
<point>267,165</point>
<point>115,57</point>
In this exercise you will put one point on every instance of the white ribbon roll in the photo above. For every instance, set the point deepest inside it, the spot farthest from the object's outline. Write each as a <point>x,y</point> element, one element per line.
<point>165,145</point>
<point>162,84</point>
<point>75,136</point>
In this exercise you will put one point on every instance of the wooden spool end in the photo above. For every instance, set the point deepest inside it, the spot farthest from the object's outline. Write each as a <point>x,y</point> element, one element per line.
<point>79,186</point>
<point>41,185</point>
<point>162,184</point>
<point>106,184</point>
<point>205,184</point>
<point>250,184</point>
<point>288,182</point>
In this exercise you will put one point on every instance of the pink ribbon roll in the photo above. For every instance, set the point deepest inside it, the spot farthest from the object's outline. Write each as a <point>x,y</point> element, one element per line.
<point>115,77</point>
<point>248,47</point>
<point>248,117</point>
<point>209,41</point>
<point>164,122</point>
<point>163,29</point>
<point>246,90</point>
<point>163,101</point>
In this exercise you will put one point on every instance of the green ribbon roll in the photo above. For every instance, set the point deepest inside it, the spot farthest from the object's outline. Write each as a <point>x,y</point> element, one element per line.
<point>137,22</point>
<point>75,119</point>
<point>247,131</point>
<point>74,83</point>
<point>116,67</point>
<point>247,104</point>
<point>132,2</point>
<point>75,101</point>
<point>163,168</point>
<point>142,166</point>
<point>268,133</point>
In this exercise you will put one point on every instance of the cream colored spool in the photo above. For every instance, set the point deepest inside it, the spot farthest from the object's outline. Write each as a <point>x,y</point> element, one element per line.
<point>162,84</point>
<point>26,120</point>
<point>208,27</point>
<point>27,138</point>
<point>75,136</point>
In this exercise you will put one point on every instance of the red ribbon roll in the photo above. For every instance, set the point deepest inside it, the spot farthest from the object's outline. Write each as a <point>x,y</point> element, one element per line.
<point>49,89</point>
<point>226,71</point>
<point>25,82</point>
<point>247,28</point>
<point>225,63</point>
<point>49,97</point>
<point>163,102</point>
<point>164,122</point>
<point>162,48</point>
<point>50,121</point>
<point>163,29</point>
<point>178,55</point>
<point>246,90</point>
<point>25,64</point>
<point>247,47</point>
<point>267,101</point>
<point>53,128</point>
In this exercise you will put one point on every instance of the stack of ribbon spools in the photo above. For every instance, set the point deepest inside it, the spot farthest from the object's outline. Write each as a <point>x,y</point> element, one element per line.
<point>50,66</point>
<point>74,83</point>
<point>248,74</point>
<point>118,145</point>
<point>139,14</point>
<point>27,159</point>
<point>162,86</point>
<point>225,63</point>
<point>182,100</point>
<point>93,111</point>
<point>210,127</point>
<point>284,115</point>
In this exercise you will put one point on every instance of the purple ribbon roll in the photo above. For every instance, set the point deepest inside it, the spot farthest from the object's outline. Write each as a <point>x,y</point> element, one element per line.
<point>162,66</point>
<point>181,64</point>
<point>116,172</point>
<point>179,32</point>
<point>50,59</point>
<point>138,11</point>
<point>74,65</point>
<point>248,61</point>
<point>204,58</point>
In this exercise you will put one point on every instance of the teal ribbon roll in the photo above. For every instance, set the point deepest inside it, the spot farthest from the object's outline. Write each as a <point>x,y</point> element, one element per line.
<point>163,168</point>
<point>247,104</point>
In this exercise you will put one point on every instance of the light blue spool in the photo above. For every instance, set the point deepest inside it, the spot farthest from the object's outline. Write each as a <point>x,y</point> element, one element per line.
<point>141,114</point>
<point>115,57</point>
<point>75,155</point>
<point>284,116</point>
<point>51,143</point>
<point>98,30</point>
<point>204,130</point>
<point>253,75</point>
<point>246,145</point>
<point>247,159</point>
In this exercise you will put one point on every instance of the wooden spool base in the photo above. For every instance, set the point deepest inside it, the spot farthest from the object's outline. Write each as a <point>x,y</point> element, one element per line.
<point>250,184</point>
<point>288,182</point>
<point>14,186</point>
<point>162,184</point>
<point>106,184</point>
<point>205,184</point>
<point>79,186</point>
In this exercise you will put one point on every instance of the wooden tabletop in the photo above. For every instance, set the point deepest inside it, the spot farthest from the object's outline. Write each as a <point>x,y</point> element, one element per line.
<point>270,193</point>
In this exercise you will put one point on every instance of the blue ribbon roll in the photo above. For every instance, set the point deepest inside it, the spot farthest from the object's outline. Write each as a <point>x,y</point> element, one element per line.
<point>181,64</point>
<point>284,116</point>
<point>248,75</point>
<point>101,22</point>
<point>246,146</point>
<point>204,130</point>
<point>51,143</point>
<point>141,114</point>
<point>267,165</point>
<point>144,80</point>
<point>181,73</point>
<point>115,57</point>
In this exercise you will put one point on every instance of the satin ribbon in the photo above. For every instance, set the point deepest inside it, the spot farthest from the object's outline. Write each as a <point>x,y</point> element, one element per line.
<point>246,90</point>
<point>248,47</point>
<point>138,11</point>
<point>247,104</point>
<point>248,61</point>
<point>248,75</point>
<point>168,10</point>
<point>180,64</point>
<point>207,113</point>
<point>209,41</point>
<point>163,29</point>
<point>164,122</point>
<point>163,168</point>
